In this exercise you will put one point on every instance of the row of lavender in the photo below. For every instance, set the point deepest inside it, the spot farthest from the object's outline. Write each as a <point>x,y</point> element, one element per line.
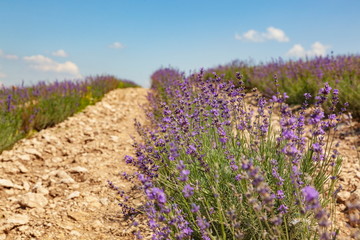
<point>214,166</point>
<point>24,109</point>
<point>304,75</point>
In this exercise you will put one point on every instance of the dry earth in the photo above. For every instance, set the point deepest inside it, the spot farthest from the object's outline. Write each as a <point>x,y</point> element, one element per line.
<point>348,198</point>
<point>54,184</point>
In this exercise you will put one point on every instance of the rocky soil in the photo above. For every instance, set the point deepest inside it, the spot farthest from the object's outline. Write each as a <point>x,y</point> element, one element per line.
<point>348,198</point>
<point>53,185</point>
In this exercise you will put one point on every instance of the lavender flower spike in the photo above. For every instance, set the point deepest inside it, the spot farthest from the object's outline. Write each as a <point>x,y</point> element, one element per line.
<point>188,191</point>
<point>310,194</point>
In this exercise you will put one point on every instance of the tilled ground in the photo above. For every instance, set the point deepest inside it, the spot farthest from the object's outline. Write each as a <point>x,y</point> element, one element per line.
<point>54,184</point>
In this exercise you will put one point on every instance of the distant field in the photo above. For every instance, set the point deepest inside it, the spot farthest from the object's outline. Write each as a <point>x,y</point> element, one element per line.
<point>301,76</point>
<point>27,109</point>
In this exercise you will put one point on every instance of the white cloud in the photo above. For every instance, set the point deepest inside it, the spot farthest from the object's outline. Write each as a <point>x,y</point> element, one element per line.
<point>11,57</point>
<point>317,49</point>
<point>270,34</point>
<point>45,64</point>
<point>60,53</point>
<point>276,34</point>
<point>8,56</point>
<point>297,50</point>
<point>116,45</point>
<point>250,35</point>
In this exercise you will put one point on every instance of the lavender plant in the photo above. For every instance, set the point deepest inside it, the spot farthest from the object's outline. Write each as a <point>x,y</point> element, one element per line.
<point>215,167</point>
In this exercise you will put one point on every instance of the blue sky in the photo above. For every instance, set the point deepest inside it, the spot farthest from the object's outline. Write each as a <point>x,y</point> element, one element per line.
<point>48,40</point>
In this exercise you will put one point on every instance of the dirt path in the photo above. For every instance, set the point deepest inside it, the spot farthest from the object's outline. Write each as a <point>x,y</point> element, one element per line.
<point>54,184</point>
<point>348,198</point>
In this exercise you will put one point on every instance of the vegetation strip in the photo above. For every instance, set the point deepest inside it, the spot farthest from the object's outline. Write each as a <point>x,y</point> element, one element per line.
<point>214,167</point>
<point>297,77</point>
<point>27,109</point>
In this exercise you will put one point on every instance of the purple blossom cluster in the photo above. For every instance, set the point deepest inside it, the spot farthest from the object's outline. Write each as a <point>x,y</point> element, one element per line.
<point>213,164</point>
<point>312,202</point>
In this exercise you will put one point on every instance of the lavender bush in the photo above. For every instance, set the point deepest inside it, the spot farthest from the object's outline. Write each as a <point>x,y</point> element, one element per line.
<point>215,167</point>
<point>24,109</point>
<point>302,76</point>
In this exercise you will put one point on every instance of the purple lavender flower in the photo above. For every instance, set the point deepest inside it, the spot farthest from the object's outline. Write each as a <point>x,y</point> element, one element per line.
<point>234,167</point>
<point>310,194</point>
<point>307,96</point>
<point>289,134</point>
<point>191,149</point>
<point>194,208</point>
<point>280,194</point>
<point>152,224</point>
<point>167,119</point>
<point>276,175</point>
<point>184,175</point>
<point>8,103</point>
<point>138,235</point>
<point>181,165</point>
<point>203,225</point>
<point>156,194</point>
<point>238,177</point>
<point>223,139</point>
<point>215,112</point>
<point>188,191</point>
<point>128,159</point>
<point>316,116</point>
<point>316,147</point>
<point>325,90</point>
<point>312,203</point>
<point>283,209</point>
<point>274,99</point>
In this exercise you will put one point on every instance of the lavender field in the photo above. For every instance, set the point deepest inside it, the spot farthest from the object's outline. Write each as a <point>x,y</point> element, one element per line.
<point>223,160</point>
<point>295,77</point>
<point>240,120</point>
<point>235,152</point>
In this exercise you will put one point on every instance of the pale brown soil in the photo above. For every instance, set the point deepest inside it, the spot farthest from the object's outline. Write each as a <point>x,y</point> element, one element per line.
<point>53,185</point>
<point>70,202</point>
<point>348,199</point>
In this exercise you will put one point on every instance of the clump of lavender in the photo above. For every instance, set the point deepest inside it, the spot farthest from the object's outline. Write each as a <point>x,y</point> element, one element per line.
<point>213,166</point>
